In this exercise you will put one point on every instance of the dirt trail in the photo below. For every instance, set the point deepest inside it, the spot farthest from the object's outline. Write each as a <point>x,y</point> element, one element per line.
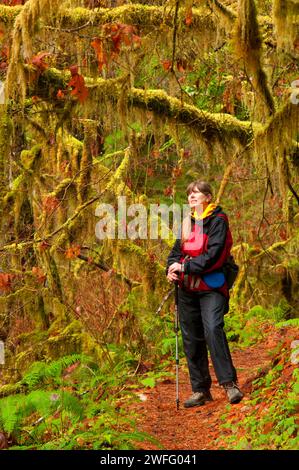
<point>194,428</point>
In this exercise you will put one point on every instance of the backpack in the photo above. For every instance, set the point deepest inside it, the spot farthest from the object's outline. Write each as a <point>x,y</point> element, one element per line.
<point>230,270</point>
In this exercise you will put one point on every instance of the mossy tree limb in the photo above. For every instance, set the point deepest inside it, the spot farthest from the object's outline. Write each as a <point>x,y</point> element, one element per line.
<point>209,127</point>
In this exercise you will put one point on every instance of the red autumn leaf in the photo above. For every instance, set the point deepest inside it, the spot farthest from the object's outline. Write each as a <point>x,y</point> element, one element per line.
<point>187,153</point>
<point>152,257</point>
<point>166,64</point>
<point>98,46</point>
<point>50,203</point>
<point>168,191</point>
<point>181,65</point>
<point>60,95</point>
<point>121,33</point>
<point>35,99</point>
<point>73,252</point>
<point>155,153</point>
<point>44,246</point>
<point>283,234</point>
<point>188,18</point>
<point>150,172</point>
<point>13,3</point>
<point>71,369</point>
<point>39,61</point>
<point>39,274</point>
<point>5,282</point>
<point>177,171</point>
<point>77,83</point>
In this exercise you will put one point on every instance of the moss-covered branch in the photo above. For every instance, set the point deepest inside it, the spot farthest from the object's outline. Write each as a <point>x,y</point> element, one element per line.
<point>12,247</point>
<point>209,127</point>
<point>278,134</point>
<point>225,12</point>
<point>143,16</point>
<point>105,268</point>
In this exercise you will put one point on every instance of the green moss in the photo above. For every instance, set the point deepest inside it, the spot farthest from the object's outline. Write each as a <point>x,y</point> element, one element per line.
<point>8,14</point>
<point>11,389</point>
<point>5,136</point>
<point>145,16</point>
<point>30,157</point>
<point>248,45</point>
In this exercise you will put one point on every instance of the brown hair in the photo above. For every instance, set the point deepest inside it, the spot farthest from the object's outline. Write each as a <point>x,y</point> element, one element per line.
<point>201,186</point>
<point>204,188</point>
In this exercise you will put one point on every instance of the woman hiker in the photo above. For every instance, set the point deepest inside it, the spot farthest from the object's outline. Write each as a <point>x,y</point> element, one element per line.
<point>195,263</point>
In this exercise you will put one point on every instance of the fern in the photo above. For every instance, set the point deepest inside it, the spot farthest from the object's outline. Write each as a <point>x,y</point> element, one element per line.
<point>11,415</point>
<point>292,322</point>
<point>40,402</point>
<point>40,372</point>
<point>71,404</point>
<point>35,375</point>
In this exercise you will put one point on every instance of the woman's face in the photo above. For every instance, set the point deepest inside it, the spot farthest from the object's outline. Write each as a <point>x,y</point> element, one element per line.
<point>196,198</point>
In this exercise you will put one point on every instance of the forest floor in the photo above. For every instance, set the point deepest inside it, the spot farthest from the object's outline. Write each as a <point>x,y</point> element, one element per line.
<point>198,428</point>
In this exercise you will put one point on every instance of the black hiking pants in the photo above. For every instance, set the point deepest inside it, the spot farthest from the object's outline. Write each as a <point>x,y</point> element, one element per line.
<point>201,320</point>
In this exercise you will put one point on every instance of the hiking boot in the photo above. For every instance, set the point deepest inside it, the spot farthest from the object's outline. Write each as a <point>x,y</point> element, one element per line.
<point>233,392</point>
<point>198,399</point>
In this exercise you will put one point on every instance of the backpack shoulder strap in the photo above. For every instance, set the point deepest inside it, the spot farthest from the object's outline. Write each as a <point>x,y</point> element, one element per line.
<point>223,216</point>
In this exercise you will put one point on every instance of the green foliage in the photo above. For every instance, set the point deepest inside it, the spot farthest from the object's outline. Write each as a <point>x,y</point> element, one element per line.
<point>271,421</point>
<point>247,328</point>
<point>82,413</point>
<point>39,372</point>
<point>39,404</point>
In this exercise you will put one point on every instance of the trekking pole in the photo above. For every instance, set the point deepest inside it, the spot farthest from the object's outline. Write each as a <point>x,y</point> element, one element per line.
<point>176,290</point>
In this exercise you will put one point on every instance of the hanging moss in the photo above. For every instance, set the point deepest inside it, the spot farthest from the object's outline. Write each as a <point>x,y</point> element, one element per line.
<point>285,19</point>
<point>278,134</point>
<point>24,30</point>
<point>86,161</point>
<point>248,45</point>
<point>5,136</point>
<point>117,184</point>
